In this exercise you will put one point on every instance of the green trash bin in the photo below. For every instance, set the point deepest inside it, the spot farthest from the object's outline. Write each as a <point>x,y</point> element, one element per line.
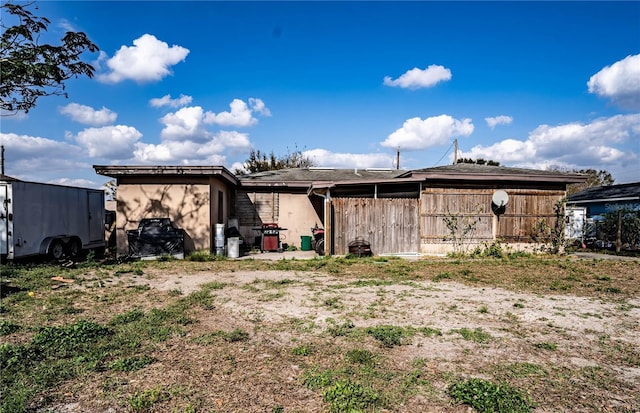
<point>305,243</point>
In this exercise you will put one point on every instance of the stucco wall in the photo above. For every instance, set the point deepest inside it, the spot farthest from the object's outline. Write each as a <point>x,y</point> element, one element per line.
<point>189,206</point>
<point>292,211</point>
<point>298,216</point>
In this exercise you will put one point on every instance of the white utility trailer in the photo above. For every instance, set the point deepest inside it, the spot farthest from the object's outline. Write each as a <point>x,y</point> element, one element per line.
<point>45,219</point>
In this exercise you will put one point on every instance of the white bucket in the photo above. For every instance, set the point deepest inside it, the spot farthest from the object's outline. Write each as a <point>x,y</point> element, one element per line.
<point>233,247</point>
<point>219,229</point>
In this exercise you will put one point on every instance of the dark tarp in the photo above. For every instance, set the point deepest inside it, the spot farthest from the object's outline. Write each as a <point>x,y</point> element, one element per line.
<point>156,237</point>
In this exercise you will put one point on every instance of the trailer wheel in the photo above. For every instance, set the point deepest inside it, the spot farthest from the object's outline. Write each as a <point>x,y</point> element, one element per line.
<point>56,250</point>
<point>74,248</point>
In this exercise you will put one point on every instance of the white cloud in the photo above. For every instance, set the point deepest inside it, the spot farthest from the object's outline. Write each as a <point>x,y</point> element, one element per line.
<point>109,141</point>
<point>239,116</point>
<point>508,151</point>
<point>573,145</point>
<point>38,159</point>
<point>190,152</point>
<point>419,78</point>
<point>166,100</point>
<point>88,115</point>
<point>148,60</point>
<point>323,157</point>
<point>257,105</point>
<point>186,123</point>
<point>29,147</point>
<point>619,82</point>
<point>66,25</point>
<point>492,122</point>
<point>417,133</point>
<point>190,122</point>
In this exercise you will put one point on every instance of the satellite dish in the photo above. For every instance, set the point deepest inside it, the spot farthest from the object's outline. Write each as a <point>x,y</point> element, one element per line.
<point>500,198</point>
<point>499,202</point>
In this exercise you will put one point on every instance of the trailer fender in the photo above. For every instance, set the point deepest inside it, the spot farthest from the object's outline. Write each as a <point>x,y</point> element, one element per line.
<point>52,246</point>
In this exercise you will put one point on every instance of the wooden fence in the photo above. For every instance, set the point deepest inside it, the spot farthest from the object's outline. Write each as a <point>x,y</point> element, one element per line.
<point>389,225</point>
<point>525,211</point>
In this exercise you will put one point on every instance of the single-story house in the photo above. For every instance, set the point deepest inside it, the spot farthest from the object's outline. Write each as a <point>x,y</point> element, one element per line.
<point>395,211</point>
<point>588,206</point>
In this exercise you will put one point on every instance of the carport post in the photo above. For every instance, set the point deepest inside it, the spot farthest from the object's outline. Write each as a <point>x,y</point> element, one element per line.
<point>328,230</point>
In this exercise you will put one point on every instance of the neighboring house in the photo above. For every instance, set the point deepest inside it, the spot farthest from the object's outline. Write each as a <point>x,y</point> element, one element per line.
<point>396,211</point>
<point>588,206</point>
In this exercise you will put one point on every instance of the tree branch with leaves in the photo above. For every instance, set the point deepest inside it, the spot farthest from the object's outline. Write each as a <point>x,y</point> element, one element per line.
<point>29,69</point>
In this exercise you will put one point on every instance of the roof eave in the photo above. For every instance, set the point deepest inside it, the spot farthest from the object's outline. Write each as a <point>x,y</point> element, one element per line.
<point>137,170</point>
<point>455,176</point>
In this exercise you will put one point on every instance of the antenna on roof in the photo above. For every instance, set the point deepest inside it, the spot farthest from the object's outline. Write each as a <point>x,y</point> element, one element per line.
<point>398,158</point>
<point>2,161</point>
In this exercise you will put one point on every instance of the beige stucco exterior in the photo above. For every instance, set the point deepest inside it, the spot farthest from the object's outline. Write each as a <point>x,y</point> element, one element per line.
<point>194,198</point>
<point>187,205</point>
<point>293,211</point>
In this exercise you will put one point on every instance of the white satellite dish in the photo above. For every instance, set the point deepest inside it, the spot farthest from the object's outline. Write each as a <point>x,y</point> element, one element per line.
<point>500,198</point>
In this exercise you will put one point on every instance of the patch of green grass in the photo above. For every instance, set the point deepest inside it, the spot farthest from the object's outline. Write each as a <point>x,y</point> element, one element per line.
<point>483,309</point>
<point>371,283</point>
<point>476,335</point>
<point>7,327</point>
<point>129,317</point>
<point>301,350</point>
<point>441,276</point>
<point>333,302</point>
<point>229,336</point>
<point>390,336</point>
<point>131,363</point>
<point>176,292</point>
<point>55,354</point>
<point>349,396</point>
<point>66,341</point>
<point>520,370</point>
<point>338,330</point>
<point>144,400</point>
<point>315,379</point>
<point>429,332</point>
<point>202,256</point>
<point>360,356</point>
<point>487,396</point>
<point>546,346</point>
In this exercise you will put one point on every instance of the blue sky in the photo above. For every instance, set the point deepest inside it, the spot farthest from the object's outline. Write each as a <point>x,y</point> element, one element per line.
<point>528,84</point>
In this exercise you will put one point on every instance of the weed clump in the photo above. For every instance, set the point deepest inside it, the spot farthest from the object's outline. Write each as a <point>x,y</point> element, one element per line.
<point>487,396</point>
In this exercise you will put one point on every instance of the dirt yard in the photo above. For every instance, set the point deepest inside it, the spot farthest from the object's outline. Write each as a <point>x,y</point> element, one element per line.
<point>567,349</point>
<point>570,353</point>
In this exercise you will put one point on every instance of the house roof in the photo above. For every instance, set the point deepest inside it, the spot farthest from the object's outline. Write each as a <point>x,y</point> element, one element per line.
<point>319,177</point>
<point>475,172</point>
<point>623,192</point>
<point>330,177</point>
<point>116,171</point>
<point>327,177</point>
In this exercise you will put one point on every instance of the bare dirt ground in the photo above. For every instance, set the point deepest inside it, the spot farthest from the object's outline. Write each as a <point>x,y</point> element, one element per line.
<point>569,352</point>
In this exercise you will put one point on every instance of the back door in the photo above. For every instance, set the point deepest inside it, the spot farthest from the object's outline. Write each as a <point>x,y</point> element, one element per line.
<point>96,214</point>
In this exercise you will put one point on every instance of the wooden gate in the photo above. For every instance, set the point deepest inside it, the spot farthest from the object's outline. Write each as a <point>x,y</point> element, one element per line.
<point>389,225</point>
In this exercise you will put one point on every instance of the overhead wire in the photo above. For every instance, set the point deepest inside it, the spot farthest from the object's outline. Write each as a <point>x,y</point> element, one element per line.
<point>445,154</point>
